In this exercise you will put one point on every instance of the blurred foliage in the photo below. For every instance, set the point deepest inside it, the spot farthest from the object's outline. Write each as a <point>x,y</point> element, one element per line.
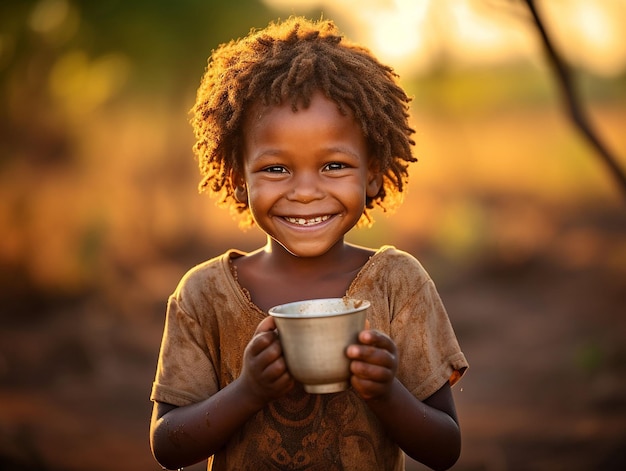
<point>62,58</point>
<point>166,42</point>
<point>493,89</point>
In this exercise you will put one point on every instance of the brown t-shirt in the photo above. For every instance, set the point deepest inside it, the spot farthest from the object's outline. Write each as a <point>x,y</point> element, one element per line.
<point>210,320</point>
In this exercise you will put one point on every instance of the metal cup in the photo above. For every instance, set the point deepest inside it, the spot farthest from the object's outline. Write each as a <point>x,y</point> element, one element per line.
<point>314,335</point>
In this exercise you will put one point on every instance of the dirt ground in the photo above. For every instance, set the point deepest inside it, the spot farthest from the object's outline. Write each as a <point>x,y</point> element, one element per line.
<point>544,335</point>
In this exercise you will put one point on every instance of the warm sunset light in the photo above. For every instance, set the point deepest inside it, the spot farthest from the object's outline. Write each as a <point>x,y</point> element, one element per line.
<point>591,33</point>
<point>414,34</point>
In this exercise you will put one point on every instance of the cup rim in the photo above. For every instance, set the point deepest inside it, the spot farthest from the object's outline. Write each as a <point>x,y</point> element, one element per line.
<point>275,311</point>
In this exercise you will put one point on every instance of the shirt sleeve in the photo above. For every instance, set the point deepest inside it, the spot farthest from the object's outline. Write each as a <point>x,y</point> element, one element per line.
<point>430,353</point>
<point>185,372</point>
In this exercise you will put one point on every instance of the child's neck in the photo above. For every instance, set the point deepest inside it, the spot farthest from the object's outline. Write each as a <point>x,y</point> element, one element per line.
<point>280,260</point>
<point>274,276</point>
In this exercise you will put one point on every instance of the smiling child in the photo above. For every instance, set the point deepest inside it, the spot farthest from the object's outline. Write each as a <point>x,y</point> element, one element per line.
<point>302,133</point>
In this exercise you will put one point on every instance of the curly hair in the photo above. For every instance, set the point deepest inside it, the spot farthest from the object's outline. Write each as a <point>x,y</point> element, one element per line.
<point>286,63</point>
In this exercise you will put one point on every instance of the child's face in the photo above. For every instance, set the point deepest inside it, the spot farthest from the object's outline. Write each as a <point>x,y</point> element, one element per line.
<point>306,174</point>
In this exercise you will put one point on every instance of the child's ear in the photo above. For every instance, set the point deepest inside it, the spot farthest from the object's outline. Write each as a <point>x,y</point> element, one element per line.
<point>239,187</point>
<point>241,194</point>
<point>374,182</point>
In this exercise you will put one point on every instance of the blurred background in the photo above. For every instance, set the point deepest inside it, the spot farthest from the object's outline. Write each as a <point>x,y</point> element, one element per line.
<point>509,208</point>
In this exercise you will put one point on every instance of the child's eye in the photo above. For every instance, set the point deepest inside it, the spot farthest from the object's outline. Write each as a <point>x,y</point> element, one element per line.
<point>275,169</point>
<point>335,166</point>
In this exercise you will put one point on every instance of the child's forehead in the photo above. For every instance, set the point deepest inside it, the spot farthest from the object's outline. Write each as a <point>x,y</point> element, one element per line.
<point>258,108</point>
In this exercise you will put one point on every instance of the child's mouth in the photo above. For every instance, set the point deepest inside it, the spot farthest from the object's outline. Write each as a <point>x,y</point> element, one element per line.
<point>305,221</point>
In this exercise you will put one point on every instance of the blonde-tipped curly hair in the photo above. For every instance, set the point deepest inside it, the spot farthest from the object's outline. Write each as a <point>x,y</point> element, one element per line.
<point>286,63</point>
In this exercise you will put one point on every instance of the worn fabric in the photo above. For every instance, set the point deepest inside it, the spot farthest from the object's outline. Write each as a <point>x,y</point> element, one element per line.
<point>210,319</point>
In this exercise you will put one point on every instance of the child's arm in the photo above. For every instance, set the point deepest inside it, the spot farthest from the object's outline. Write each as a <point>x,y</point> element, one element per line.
<point>181,436</point>
<point>427,431</point>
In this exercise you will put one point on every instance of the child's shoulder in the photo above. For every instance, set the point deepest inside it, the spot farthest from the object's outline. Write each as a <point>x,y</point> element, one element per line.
<point>215,270</point>
<point>391,263</point>
<point>394,258</point>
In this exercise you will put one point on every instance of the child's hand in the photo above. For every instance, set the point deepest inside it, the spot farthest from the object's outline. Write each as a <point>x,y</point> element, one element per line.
<point>374,364</point>
<point>264,369</point>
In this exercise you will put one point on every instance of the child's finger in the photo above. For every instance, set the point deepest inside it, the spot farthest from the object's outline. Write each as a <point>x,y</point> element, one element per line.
<point>264,336</point>
<point>377,339</point>
<point>372,355</point>
<point>266,325</point>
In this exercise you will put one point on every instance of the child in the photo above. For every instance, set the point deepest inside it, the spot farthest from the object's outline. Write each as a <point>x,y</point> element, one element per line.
<point>303,133</point>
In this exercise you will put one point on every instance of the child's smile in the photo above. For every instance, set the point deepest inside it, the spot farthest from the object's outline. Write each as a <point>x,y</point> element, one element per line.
<point>306,174</point>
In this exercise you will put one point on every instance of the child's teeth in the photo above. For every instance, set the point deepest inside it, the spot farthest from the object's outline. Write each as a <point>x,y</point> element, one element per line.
<point>306,222</point>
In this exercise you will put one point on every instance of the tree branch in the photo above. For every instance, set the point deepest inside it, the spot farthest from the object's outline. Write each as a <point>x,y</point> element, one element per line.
<point>572,103</point>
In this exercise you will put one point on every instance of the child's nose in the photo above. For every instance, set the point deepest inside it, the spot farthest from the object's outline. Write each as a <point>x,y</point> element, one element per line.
<point>305,188</point>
